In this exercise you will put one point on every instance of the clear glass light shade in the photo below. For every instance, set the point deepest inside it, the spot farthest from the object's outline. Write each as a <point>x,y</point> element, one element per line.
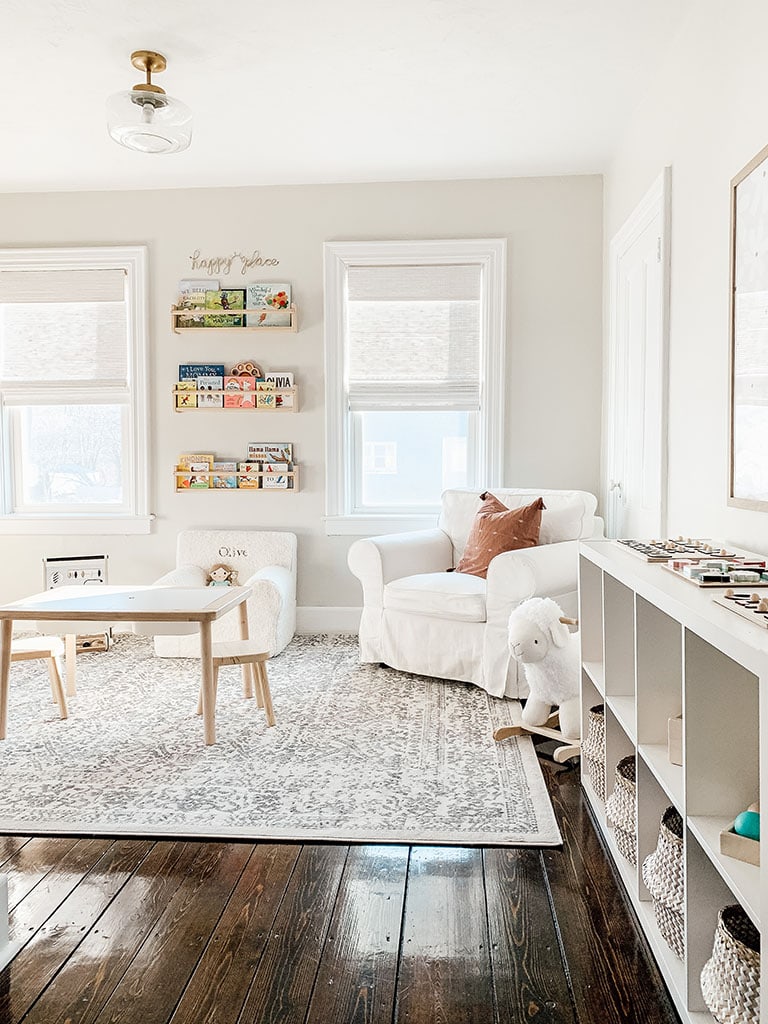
<point>149,122</point>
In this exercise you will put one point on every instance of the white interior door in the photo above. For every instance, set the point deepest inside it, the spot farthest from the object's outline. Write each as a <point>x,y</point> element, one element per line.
<point>636,458</point>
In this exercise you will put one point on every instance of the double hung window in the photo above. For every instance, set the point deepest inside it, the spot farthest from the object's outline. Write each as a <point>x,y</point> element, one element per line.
<point>73,449</point>
<point>414,376</point>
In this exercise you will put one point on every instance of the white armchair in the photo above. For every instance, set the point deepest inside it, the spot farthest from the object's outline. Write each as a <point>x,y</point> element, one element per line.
<point>265,561</point>
<point>419,618</point>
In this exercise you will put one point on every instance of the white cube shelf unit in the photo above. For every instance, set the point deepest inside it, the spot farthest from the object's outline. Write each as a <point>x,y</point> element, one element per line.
<point>655,646</point>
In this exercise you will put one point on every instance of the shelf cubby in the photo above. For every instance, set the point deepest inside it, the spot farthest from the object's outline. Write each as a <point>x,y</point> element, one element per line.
<point>659,672</point>
<point>652,801</point>
<point>623,710</point>
<point>591,620</point>
<point>742,879</point>
<point>705,895</point>
<point>721,733</point>
<point>618,745</point>
<point>669,776</point>
<point>590,697</point>
<point>618,637</point>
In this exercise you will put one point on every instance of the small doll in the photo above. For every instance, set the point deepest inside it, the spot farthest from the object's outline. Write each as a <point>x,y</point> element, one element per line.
<point>222,575</point>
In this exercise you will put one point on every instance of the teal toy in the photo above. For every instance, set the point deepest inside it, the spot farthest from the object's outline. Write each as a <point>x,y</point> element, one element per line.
<point>748,824</point>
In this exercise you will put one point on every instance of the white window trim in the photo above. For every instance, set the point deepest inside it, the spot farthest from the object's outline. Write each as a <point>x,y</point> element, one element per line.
<point>338,256</point>
<point>133,260</point>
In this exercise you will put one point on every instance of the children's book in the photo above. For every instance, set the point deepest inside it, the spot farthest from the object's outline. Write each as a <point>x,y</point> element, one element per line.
<point>224,474</point>
<point>224,299</point>
<point>281,451</point>
<point>186,394</point>
<point>193,471</point>
<point>239,392</point>
<point>272,302</point>
<point>191,371</point>
<point>249,474</point>
<point>265,395</point>
<point>199,460</point>
<point>281,379</point>
<point>192,297</point>
<point>209,394</point>
<point>274,475</point>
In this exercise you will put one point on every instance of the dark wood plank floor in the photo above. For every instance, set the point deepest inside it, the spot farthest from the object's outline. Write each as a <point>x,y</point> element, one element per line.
<point>145,932</point>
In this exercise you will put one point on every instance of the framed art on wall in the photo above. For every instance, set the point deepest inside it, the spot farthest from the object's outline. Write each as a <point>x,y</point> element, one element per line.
<point>748,477</point>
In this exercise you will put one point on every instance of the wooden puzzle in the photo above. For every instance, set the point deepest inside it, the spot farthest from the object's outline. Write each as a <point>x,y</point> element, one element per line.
<point>686,547</point>
<point>749,604</point>
<point>739,570</point>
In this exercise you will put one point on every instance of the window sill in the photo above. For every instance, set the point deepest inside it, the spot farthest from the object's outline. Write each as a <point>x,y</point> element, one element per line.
<point>84,525</point>
<point>373,525</point>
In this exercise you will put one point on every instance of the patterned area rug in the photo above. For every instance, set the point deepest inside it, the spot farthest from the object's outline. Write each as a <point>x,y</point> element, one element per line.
<point>359,753</point>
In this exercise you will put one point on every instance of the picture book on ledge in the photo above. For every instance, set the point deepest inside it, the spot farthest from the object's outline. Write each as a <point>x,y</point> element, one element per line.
<point>224,299</point>
<point>281,379</point>
<point>192,301</point>
<point>272,301</point>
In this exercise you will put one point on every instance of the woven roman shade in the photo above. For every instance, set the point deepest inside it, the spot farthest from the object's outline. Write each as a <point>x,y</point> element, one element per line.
<point>63,325</point>
<point>413,337</point>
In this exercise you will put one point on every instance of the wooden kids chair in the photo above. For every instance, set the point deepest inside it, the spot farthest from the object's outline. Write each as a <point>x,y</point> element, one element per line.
<point>48,649</point>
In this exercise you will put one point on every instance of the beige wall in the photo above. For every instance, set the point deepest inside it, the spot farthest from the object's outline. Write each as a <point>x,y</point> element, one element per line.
<point>554,232</point>
<point>705,116</point>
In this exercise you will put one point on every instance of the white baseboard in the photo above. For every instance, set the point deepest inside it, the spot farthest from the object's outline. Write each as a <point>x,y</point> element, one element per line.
<point>327,619</point>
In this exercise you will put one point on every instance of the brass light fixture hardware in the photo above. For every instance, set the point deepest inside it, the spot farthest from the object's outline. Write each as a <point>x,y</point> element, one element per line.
<point>146,119</point>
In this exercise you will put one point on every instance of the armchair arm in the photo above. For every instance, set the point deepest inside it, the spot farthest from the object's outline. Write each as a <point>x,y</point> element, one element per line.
<point>272,605</point>
<point>280,577</point>
<point>377,560</point>
<point>544,571</point>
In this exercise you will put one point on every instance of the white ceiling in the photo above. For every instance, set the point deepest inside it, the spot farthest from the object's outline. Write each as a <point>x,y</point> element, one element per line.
<point>341,91</point>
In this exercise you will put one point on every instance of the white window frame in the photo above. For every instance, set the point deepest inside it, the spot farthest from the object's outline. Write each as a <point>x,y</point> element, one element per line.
<point>490,255</point>
<point>133,261</point>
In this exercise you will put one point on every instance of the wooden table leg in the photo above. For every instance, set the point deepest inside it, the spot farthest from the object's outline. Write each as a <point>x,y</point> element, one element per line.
<point>247,674</point>
<point>209,695</point>
<point>70,657</point>
<point>6,635</point>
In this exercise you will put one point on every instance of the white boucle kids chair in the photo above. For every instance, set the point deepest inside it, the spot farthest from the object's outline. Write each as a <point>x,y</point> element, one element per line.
<point>264,560</point>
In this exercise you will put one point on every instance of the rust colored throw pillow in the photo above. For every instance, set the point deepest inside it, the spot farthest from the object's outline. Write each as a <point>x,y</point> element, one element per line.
<point>497,528</point>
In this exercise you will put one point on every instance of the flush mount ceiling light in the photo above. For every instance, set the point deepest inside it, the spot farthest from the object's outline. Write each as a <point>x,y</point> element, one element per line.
<point>145,119</point>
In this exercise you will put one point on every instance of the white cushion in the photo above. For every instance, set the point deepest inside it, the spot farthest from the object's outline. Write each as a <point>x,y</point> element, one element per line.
<point>567,523</point>
<point>446,595</point>
<point>568,515</point>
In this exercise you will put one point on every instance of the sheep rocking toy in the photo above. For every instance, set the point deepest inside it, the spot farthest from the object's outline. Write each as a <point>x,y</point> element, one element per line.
<point>540,640</point>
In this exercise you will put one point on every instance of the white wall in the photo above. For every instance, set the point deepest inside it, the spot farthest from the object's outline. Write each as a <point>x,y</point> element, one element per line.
<point>705,116</point>
<point>554,232</point>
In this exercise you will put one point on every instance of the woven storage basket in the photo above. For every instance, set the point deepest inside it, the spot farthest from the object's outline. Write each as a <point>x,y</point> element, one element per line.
<point>664,877</point>
<point>730,980</point>
<point>593,749</point>
<point>620,809</point>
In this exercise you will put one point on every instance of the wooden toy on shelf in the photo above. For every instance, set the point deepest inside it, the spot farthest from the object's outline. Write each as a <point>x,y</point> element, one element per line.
<point>663,550</point>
